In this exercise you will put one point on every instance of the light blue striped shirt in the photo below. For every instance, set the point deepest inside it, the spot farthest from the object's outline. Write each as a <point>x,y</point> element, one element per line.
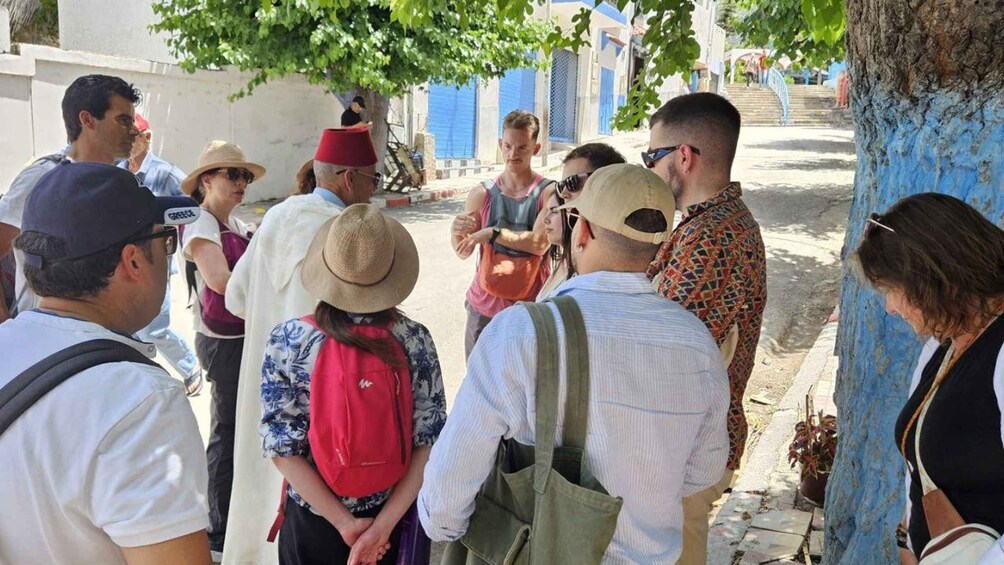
<point>656,432</point>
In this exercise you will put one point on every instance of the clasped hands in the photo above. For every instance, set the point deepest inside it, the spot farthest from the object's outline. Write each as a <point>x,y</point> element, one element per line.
<point>466,227</point>
<point>368,538</point>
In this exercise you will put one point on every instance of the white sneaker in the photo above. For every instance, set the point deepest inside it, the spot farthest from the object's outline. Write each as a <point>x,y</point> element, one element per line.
<point>217,556</point>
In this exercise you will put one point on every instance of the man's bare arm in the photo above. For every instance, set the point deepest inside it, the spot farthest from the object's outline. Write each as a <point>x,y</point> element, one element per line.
<point>469,222</point>
<point>191,549</point>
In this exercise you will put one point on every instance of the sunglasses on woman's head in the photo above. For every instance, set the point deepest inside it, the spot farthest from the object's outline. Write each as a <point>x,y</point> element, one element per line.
<point>573,183</point>
<point>874,221</point>
<point>234,173</point>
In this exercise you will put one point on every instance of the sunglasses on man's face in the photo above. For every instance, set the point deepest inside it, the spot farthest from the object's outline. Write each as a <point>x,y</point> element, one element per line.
<point>573,183</point>
<point>652,156</point>
<point>234,174</point>
<point>573,218</point>
<point>170,235</point>
<point>377,179</point>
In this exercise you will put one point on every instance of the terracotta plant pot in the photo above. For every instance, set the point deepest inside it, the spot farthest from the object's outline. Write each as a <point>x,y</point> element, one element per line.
<point>813,488</point>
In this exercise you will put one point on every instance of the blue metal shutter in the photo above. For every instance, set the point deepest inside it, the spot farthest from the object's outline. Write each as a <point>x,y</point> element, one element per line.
<point>517,91</point>
<point>453,118</point>
<point>564,89</point>
<point>606,100</point>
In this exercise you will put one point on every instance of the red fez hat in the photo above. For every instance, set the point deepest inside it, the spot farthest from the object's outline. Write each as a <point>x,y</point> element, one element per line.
<point>141,123</point>
<point>348,147</point>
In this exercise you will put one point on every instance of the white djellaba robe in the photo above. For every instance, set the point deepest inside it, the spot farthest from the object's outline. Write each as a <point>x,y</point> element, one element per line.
<point>265,290</point>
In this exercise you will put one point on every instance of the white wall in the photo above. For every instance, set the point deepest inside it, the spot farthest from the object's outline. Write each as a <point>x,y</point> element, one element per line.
<point>487,134</point>
<point>278,126</point>
<point>112,27</point>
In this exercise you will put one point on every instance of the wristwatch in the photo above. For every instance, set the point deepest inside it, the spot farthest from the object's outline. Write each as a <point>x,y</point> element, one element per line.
<point>901,537</point>
<point>496,232</point>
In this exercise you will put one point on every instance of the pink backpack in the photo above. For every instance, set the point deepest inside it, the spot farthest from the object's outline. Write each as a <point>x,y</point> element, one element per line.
<point>360,432</point>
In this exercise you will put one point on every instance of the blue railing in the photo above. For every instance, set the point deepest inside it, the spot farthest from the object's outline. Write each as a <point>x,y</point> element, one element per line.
<point>775,81</point>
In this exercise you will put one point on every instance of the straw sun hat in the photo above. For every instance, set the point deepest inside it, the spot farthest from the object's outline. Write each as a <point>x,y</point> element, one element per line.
<point>361,261</point>
<point>220,155</point>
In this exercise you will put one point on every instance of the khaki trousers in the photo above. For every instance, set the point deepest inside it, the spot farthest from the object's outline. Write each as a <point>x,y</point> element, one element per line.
<point>696,510</point>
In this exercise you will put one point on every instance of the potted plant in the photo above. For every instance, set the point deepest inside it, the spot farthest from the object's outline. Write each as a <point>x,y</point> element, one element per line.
<point>814,447</point>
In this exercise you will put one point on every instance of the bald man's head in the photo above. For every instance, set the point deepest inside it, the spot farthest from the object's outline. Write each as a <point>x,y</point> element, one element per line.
<point>703,120</point>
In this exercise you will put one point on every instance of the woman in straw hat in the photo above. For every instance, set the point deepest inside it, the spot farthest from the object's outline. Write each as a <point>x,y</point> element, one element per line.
<point>211,247</point>
<point>361,266</point>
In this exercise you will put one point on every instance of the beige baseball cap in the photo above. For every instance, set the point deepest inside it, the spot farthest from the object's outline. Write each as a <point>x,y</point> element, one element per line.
<point>614,192</point>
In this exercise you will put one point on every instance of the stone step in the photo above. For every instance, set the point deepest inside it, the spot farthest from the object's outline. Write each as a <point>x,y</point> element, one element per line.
<point>454,172</point>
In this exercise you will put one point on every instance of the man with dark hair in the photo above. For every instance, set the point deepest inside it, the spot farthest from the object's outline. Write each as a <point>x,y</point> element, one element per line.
<point>98,113</point>
<point>580,162</point>
<point>503,220</point>
<point>163,179</point>
<point>353,115</point>
<point>714,265</point>
<point>658,391</point>
<point>91,472</point>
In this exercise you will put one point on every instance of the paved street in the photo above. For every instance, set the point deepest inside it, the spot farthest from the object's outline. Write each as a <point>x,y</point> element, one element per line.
<point>797,181</point>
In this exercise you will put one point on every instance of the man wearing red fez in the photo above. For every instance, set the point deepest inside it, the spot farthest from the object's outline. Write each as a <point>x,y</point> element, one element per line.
<point>265,290</point>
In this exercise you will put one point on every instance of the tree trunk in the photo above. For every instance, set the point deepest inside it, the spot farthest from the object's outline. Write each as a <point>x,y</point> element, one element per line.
<point>927,95</point>
<point>377,106</point>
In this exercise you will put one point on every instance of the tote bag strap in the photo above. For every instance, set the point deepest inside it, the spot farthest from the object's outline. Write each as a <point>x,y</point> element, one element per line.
<point>546,392</point>
<point>577,398</point>
<point>577,359</point>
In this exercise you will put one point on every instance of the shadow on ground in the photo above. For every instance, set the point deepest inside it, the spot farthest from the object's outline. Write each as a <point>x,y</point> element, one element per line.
<point>810,145</point>
<point>808,165</point>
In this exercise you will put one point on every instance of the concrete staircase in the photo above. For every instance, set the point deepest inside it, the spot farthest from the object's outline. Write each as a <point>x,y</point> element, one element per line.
<point>757,106</point>
<point>810,106</point>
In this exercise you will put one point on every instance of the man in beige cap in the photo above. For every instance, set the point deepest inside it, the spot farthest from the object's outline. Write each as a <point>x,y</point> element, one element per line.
<point>265,289</point>
<point>658,387</point>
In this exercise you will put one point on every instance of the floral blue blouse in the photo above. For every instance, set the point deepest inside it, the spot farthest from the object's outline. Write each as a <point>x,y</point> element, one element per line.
<point>285,392</point>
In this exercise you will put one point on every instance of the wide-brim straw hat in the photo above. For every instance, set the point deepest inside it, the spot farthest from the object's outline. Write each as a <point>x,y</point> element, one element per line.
<point>305,169</point>
<point>220,155</point>
<point>361,262</point>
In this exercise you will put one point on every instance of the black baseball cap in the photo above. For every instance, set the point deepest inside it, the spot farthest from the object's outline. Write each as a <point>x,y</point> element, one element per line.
<point>93,206</point>
<point>359,100</point>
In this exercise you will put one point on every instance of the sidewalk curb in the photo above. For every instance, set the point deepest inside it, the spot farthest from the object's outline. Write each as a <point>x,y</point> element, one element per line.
<point>744,502</point>
<point>392,200</point>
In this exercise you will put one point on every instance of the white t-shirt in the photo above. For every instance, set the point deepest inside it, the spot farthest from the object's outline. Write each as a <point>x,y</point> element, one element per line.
<point>11,210</point>
<point>206,227</point>
<point>110,458</point>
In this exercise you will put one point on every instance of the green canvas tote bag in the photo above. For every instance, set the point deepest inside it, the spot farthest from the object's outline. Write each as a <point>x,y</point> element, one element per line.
<point>540,504</point>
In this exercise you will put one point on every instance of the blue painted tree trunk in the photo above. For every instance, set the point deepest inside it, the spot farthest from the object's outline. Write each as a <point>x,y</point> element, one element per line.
<point>928,101</point>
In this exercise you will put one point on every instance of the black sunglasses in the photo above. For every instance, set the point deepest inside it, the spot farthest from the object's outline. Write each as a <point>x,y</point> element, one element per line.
<point>573,184</point>
<point>651,156</point>
<point>234,173</point>
<point>169,233</point>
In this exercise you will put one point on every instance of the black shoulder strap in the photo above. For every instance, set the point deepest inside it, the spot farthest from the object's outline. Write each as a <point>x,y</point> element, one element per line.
<point>20,394</point>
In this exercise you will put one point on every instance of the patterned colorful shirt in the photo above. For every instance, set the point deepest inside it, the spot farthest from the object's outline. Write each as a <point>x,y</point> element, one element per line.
<point>715,266</point>
<point>285,392</point>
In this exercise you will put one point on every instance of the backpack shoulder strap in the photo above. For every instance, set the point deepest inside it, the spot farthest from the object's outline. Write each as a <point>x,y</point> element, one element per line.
<point>546,392</point>
<point>21,393</point>
<point>52,158</point>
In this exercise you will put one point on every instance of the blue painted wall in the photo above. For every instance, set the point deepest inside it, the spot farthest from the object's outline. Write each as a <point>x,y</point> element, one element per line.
<point>606,101</point>
<point>517,91</point>
<point>453,119</point>
<point>943,141</point>
<point>564,91</point>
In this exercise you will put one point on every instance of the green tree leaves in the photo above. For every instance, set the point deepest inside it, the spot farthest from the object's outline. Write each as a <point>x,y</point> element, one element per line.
<point>349,45</point>
<point>807,31</point>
